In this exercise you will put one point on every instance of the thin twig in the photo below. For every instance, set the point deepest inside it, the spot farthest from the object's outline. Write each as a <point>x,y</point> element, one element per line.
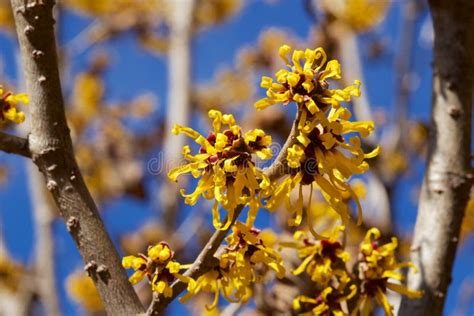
<point>14,145</point>
<point>51,150</point>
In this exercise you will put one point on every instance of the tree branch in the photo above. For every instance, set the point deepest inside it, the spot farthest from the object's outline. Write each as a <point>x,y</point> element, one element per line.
<point>448,177</point>
<point>51,150</point>
<point>14,145</point>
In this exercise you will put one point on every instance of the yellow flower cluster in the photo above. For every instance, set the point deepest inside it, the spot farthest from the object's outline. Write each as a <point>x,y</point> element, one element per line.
<point>8,106</point>
<point>306,84</point>
<point>325,262</point>
<point>377,265</point>
<point>321,154</point>
<point>226,168</point>
<point>247,249</point>
<point>158,266</point>
<point>82,290</point>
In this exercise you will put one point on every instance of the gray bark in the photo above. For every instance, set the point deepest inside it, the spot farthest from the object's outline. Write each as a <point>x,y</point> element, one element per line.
<point>448,177</point>
<point>51,150</point>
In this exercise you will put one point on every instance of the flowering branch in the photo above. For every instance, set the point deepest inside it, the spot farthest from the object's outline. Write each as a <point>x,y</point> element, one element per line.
<point>203,263</point>
<point>14,145</point>
<point>51,150</point>
<point>205,260</point>
<point>448,177</point>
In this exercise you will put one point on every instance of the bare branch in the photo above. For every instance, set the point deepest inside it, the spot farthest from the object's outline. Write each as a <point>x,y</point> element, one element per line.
<point>448,177</point>
<point>14,145</point>
<point>51,150</point>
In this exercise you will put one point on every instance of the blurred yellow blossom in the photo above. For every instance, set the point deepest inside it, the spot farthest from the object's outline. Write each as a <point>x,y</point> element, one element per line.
<point>467,227</point>
<point>6,17</point>
<point>229,88</point>
<point>98,8</point>
<point>82,290</point>
<point>215,11</point>
<point>360,15</point>
<point>11,272</point>
<point>265,53</point>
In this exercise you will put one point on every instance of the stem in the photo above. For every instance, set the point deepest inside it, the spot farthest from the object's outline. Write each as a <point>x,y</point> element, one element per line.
<point>51,150</point>
<point>14,145</point>
<point>448,177</point>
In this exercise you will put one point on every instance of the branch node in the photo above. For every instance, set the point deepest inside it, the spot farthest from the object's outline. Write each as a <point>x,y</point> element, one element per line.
<point>90,267</point>
<point>37,53</point>
<point>454,112</point>
<point>101,269</point>
<point>51,185</point>
<point>72,223</point>
<point>52,167</point>
<point>28,30</point>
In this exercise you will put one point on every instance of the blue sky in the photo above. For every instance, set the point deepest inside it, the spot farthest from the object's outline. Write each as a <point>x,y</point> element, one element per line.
<point>134,71</point>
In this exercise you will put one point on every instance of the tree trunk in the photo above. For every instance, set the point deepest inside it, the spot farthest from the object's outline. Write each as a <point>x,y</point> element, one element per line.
<point>51,150</point>
<point>448,177</point>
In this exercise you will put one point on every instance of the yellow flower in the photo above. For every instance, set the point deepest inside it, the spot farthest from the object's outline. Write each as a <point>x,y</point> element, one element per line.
<point>377,265</point>
<point>8,103</point>
<point>323,260</point>
<point>226,168</point>
<point>82,290</point>
<point>306,84</point>
<point>467,227</point>
<point>247,249</point>
<point>359,15</point>
<point>157,266</point>
<point>325,302</point>
<point>321,155</point>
